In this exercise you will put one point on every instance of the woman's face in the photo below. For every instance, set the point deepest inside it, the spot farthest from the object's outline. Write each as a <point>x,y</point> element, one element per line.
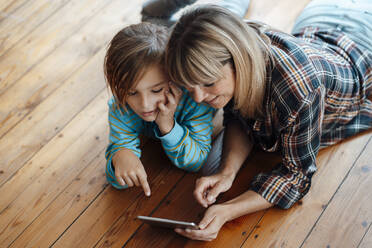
<point>149,92</point>
<point>216,94</point>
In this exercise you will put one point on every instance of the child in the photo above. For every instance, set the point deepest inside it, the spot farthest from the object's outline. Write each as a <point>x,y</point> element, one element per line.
<point>145,102</point>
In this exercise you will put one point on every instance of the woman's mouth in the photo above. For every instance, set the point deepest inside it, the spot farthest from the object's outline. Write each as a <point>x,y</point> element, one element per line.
<point>213,101</point>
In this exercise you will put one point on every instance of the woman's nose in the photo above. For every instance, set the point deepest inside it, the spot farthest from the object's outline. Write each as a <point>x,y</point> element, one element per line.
<point>198,94</point>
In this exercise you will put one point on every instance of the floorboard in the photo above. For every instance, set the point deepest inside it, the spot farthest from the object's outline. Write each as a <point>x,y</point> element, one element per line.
<point>350,204</point>
<point>53,135</point>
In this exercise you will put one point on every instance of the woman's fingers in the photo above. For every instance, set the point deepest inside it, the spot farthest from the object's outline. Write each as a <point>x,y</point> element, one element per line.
<point>202,235</point>
<point>214,192</point>
<point>223,184</point>
<point>208,188</point>
<point>201,189</point>
<point>207,219</point>
<point>210,226</point>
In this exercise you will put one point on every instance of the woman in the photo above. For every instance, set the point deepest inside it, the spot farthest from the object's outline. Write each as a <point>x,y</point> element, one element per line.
<point>293,94</point>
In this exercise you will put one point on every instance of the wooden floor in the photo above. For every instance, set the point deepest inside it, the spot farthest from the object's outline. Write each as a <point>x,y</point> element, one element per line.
<point>53,134</point>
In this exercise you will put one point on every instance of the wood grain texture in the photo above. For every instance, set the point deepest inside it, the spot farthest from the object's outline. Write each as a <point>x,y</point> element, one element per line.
<point>289,228</point>
<point>52,169</point>
<point>366,242</point>
<point>38,90</point>
<point>24,19</point>
<point>182,205</point>
<point>279,15</point>
<point>121,207</point>
<point>37,84</point>
<point>8,7</point>
<point>53,135</point>
<point>349,214</point>
<point>44,39</point>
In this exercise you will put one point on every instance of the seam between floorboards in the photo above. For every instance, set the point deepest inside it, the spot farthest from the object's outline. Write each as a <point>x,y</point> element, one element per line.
<point>46,207</point>
<point>254,228</point>
<point>96,51</point>
<point>62,128</point>
<point>16,9</point>
<point>156,208</point>
<point>83,23</point>
<point>133,202</point>
<point>36,26</point>
<point>342,182</point>
<point>63,81</point>
<point>106,185</point>
<point>117,219</point>
<point>370,224</point>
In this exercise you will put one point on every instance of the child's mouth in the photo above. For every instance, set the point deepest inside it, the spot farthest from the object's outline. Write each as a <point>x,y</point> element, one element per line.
<point>147,114</point>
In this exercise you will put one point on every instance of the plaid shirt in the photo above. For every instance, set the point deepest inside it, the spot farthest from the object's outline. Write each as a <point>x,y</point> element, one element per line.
<point>315,97</point>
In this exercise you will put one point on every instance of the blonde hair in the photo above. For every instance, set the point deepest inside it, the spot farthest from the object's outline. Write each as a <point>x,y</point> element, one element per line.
<point>208,37</point>
<point>130,53</point>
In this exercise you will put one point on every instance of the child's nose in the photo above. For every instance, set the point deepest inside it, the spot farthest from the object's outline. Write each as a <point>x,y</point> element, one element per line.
<point>145,104</point>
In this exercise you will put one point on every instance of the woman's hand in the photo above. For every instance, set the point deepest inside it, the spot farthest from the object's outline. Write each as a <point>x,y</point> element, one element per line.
<point>129,170</point>
<point>208,188</point>
<point>210,225</point>
<point>217,215</point>
<point>165,118</point>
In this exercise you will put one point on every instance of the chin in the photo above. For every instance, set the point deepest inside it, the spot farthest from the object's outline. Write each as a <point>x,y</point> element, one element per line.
<point>218,105</point>
<point>149,118</point>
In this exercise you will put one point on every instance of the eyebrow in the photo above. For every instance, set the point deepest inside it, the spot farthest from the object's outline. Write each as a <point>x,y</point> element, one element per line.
<point>162,82</point>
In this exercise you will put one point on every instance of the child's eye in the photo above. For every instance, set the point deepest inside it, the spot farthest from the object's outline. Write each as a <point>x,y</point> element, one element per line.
<point>157,91</point>
<point>208,85</point>
<point>132,93</point>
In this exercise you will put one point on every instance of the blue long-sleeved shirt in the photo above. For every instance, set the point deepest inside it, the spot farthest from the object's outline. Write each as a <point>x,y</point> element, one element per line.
<point>187,145</point>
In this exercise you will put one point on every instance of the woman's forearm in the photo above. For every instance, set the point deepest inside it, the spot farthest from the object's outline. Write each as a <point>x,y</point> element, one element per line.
<point>236,148</point>
<point>246,203</point>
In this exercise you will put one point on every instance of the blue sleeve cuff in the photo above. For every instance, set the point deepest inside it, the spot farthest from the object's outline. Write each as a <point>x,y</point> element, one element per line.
<point>174,137</point>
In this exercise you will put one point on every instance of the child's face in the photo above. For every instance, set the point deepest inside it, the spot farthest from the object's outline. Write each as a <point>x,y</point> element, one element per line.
<point>149,92</point>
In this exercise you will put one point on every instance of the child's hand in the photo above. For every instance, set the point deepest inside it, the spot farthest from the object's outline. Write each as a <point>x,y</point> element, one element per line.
<point>129,170</point>
<point>165,118</point>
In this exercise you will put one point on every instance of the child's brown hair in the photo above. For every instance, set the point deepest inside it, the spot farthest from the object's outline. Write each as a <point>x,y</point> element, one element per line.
<point>132,50</point>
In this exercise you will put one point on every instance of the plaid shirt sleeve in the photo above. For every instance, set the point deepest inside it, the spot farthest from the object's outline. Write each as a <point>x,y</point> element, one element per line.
<point>291,179</point>
<point>299,116</point>
<point>298,97</point>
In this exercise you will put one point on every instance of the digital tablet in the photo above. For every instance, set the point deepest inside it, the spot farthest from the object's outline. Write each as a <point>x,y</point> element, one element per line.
<point>168,223</point>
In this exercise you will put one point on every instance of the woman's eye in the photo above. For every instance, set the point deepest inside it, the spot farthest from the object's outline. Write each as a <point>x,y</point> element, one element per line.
<point>208,85</point>
<point>131,93</point>
<point>157,91</point>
